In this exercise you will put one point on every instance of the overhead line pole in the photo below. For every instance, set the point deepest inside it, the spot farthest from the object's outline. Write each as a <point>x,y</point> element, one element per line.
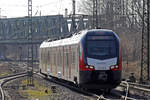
<point>148,26</point>
<point>145,68</point>
<point>143,64</point>
<point>30,45</point>
<point>0,12</point>
<point>95,14</point>
<point>73,15</point>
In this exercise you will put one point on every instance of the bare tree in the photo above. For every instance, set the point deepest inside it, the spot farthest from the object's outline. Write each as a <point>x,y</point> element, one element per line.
<point>122,16</point>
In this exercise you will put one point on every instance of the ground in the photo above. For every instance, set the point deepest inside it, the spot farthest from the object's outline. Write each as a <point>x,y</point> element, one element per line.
<point>41,91</point>
<point>131,67</point>
<point>5,70</point>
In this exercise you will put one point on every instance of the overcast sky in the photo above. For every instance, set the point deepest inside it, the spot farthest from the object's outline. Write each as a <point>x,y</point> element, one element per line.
<point>18,8</point>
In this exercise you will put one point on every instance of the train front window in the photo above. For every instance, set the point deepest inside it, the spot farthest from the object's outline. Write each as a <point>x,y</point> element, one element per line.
<point>101,49</point>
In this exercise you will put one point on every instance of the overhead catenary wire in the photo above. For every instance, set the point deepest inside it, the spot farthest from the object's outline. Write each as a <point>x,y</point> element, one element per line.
<point>60,7</point>
<point>24,5</point>
<point>47,8</point>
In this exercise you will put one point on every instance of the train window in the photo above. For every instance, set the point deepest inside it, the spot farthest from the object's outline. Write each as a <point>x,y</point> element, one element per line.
<point>77,55</point>
<point>54,59</point>
<point>60,56</point>
<point>44,56</point>
<point>101,49</point>
<point>57,58</point>
<point>100,37</point>
<point>73,57</point>
<point>41,57</point>
<point>67,60</point>
<point>48,57</point>
<point>44,59</point>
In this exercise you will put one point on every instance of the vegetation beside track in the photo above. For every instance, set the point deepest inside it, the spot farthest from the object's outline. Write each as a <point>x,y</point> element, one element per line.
<point>36,91</point>
<point>5,70</point>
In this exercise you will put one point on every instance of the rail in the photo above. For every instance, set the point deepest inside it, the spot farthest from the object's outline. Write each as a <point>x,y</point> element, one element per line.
<point>127,88</point>
<point>94,95</point>
<point>5,79</point>
<point>140,87</point>
<point>72,87</point>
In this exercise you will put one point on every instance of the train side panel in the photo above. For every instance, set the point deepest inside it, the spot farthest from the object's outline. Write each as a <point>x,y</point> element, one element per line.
<point>44,60</point>
<point>61,62</point>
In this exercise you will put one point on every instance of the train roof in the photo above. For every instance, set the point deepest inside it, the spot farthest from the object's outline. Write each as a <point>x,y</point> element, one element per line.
<point>100,32</point>
<point>75,39</point>
<point>67,41</point>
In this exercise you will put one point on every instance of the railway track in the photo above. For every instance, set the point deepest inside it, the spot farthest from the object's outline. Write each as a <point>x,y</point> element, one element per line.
<point>138,87</point>
<point>5,79</point>
<point>138,91</point>
<point>98,95</point>
<point>71,86</point>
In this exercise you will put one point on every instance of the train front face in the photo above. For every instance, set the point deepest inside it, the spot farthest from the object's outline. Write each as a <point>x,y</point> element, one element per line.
<point>100,60</point>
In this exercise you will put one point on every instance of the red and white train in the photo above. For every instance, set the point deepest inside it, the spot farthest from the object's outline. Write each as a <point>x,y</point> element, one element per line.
<point>90,58</point>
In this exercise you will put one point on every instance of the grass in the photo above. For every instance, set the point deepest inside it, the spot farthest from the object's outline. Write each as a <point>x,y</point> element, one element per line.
<point>4,69</point>
<point>4,74</point>
<point>35,92</point>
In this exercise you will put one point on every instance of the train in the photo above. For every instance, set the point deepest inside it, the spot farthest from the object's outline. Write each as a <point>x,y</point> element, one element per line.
<point>90,59</point>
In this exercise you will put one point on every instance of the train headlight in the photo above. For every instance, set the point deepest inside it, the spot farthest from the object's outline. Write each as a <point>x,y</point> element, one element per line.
<point>90,66</point>
<point>114,67</point>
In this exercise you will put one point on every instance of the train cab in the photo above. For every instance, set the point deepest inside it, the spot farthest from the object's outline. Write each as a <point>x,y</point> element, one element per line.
<point>100,60</point>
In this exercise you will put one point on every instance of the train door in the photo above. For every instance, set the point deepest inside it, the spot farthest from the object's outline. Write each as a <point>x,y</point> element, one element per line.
<point>66,62</point>
<point>56,61</point>
<point>77,61</point>
<point>62,59</point>
<point>41,59</point>
<point>72,58</point>
<point>48,61</point>
<point>69,60</point>
<point>44,61</point>
<point>51,54</point>
<point>53,61</point>
<point>59,56</point>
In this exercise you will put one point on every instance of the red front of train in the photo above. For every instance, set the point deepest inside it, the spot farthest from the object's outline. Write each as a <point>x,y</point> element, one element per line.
<point>100,61</point>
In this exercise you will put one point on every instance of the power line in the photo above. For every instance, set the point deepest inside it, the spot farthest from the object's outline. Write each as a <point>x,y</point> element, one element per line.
<point>23,5</point>
<point>60,7</point>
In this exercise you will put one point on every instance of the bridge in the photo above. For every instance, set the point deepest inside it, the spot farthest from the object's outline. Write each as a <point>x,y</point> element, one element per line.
<point>14,32</point>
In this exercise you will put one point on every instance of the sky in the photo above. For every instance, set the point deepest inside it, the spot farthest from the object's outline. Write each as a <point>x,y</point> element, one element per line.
<point>19,8</point>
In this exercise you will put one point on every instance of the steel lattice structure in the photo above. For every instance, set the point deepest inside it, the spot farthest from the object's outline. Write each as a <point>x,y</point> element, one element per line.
<point>30,46</point>
<point>145,68</point>
<point>95,14</point>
